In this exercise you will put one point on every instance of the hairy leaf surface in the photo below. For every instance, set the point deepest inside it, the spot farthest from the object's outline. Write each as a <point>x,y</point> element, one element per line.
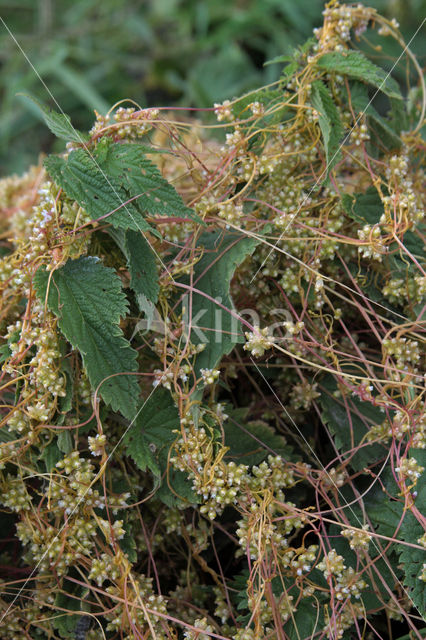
<point>329,122</point>
<point>118,183</point>
<point>89,302</point>
<point>355,65</point>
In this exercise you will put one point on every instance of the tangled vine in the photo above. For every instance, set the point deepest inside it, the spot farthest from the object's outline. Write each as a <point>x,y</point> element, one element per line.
<point>213,411</point>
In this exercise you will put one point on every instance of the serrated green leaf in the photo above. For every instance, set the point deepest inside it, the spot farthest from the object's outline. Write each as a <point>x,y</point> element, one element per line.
<point>59,123</point>
<point>84,180</point>
<point>142,266</point>
<point>355,65</point>
<point>365,208</point>
<point>411,530</point>
<point>329,122</point>
<point>361,104</point>
<point>361,415</point>
<point>70,599</point>
<point>89,302</point>
<point>152,430</point>
<point>252,442</point>
<point>210,324</point>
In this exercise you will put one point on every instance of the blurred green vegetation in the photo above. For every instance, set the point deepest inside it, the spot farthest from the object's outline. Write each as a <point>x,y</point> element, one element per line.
<point>91,53</point>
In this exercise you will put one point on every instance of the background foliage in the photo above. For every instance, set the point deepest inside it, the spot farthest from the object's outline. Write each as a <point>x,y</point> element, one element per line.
<point>159,52</point>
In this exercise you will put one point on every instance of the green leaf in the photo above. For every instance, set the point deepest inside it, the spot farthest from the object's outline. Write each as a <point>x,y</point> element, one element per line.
<point>329,122</point>
<point>307,620</point>
<point>59,123</point>
<point>365,208</point>
<point>411,530</point>
<point>152,430</point>
<point>361,104</point>
<point>350,422</point>
<point>210,324</point>
<point>51,455</point>
<point>252,442</point>
<point>84,180</point>
<point>355,65</point>
<point>148,442</point>
<point>142,266</point>
<point>71,599</point>
<point>65,443</point>
<point>116,182</point>
<point>89,302</point>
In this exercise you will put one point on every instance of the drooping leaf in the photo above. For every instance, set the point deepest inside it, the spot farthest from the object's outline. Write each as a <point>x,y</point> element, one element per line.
<point>89,302</point>
<point>142,266</point>
<point>59,123</point>
<point>69,599</point>
<point>210,323</point>
<point>354,64</point>
<point>329,122</point>
<point>349,425</point>
<point>51,455</point>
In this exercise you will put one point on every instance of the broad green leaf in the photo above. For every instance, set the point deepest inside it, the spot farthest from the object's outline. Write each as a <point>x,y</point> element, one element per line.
<point>361,104</point>
<point>128,165</point>
<point>148,442</point>
<point>116,182</point>
<point>307,620</point>
<point>351,422</point>
<point>153,429</point>
<point>70,598</point>
<point>355,65</point>
<point>142,266</point>
<point>84,180</point>
<point>365,208</point>
<point>59,123</point>
<point>210,323</point>
<point>329,122</point>
<point>89,302</point>
<point>251,442</point>
<point>51,455</point>
<point>64,440</point>
<point>411,530</point>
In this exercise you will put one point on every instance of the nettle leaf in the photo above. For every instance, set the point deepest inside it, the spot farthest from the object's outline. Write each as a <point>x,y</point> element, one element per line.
<point>142,266</point>
<point>210,324</point>
<point>411,530</point>
<point>329,122</point>
<point>355,65</point>
<point>252,442</point>
<point>365,208</point>
<point>140,262</point>
<point>148,442</point>
<point>89,302</point>
<point>59,123</point>
<point>152,430</point>
<point>383,128</point>
<point>84,180</point>
<point>350,424</point>
<point>118,183</point>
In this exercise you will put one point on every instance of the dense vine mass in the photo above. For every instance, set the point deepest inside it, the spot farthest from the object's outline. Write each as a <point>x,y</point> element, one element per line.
<point>213,413</point>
